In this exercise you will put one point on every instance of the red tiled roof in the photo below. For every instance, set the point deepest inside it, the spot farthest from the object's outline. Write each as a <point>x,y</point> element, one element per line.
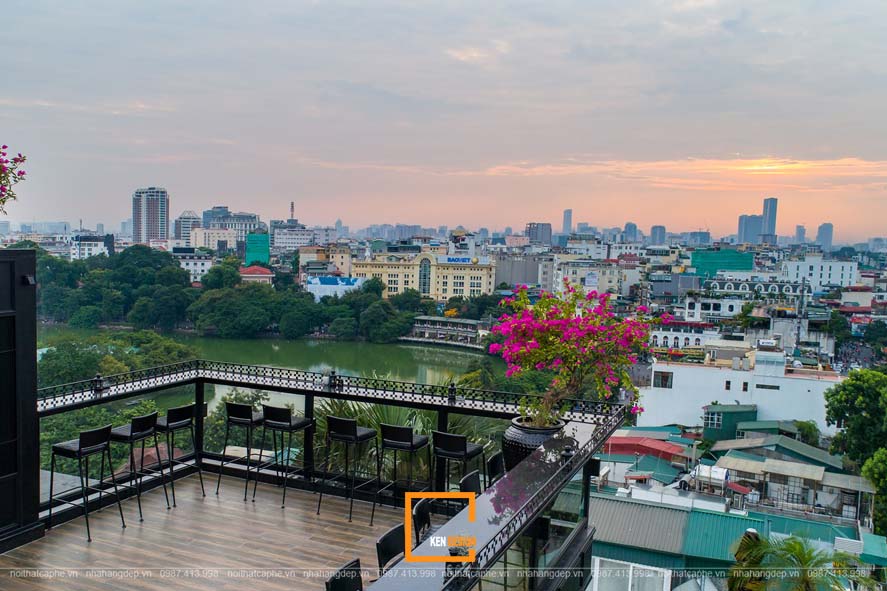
<point>255,270</point>
<point>643,446</point>
<point>856,309</point>
<point>738,488</point>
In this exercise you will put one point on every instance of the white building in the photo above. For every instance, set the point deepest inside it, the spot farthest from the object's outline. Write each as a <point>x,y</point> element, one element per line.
<point>196,263</point>
<point>592,275</point>
<point>703,309</point>
<point>213,238</point>
<point>820,272</point>
<point>292,239</point>
<point>82,247</point>
<point>331,286</point>
<point>183,225</point>
<point>680,390</point>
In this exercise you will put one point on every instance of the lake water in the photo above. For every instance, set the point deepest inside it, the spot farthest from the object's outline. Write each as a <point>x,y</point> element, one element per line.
<point>408,363</point>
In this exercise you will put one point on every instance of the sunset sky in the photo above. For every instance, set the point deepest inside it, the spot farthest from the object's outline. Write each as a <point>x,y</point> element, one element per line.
<point>683,113</point>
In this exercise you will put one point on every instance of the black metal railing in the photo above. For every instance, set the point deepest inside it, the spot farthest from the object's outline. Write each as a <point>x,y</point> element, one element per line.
<point>102,389</point>
<point>489,553</point>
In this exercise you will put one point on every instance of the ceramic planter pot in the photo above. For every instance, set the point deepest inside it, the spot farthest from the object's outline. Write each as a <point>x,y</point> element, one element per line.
<point>520,440</point>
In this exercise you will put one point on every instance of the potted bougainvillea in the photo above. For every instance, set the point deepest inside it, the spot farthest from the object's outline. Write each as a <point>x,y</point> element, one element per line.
<point>10,174</point>
<point>579,340</point>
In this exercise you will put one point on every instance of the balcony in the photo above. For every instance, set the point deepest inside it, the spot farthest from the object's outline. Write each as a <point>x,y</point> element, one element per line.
<point>534,516</point>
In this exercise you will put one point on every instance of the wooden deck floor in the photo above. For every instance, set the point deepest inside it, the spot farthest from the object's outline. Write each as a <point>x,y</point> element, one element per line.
<point>215,532</point>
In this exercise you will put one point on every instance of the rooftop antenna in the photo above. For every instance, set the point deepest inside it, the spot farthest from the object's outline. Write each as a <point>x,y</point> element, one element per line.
<point>292,210</point>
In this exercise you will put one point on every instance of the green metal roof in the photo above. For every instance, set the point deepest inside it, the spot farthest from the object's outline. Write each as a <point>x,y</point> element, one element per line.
<point>804,528</point>
<point>730,407</point>
<point>774,425</point>
<point>660,470</point>
<point>814,454</point>
<point>715,535</point>
<point>638,524</point>
<point>617,458</point>
<point>661,429</point>
<point>681,440</point>
<point>874,550</point>
<point>735,453</point>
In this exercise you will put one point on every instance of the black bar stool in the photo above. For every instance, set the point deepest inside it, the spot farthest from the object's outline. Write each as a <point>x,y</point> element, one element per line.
<point>422,525</point>
<point>495,468</point>
<point>450,447</point>
<point>400,439</point>
<point>390,548</point>
<point>348,432</point>
<point>180,418</point>
<point>240,415</point>
<point>140,429</point>
<point>347,578</point>
<point>281,420</point>
<point>90,443</point>
<point>471,483</point>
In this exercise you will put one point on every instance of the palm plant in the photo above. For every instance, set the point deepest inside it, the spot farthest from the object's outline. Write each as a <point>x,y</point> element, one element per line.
<point>480,430</point>
<point>791,563</point>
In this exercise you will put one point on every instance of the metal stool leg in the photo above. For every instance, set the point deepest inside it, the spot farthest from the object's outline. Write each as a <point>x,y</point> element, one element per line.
<point>286,465</point>
<point>51,482</point>
<point>261,447</point>
<point>160,466</point>
<point>249,454</point>
<point>222,463</point>
<point>132,467</point>
<point>351,483</point>
<point>198,461</point>
<point>83,492</point>
<point>101,476</point>
<point>379,479</point>
<point>116,492</point>
<point>170,444</point>
<point>326,465</point>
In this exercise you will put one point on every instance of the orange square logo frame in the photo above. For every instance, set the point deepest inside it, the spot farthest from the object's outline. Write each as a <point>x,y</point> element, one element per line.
<point>408,525</point>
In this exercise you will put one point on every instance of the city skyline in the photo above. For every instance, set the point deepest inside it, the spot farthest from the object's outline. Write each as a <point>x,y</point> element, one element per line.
<point>483,117</point>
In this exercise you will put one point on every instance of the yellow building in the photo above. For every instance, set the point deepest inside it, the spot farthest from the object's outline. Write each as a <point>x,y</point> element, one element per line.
<point>439,277</point>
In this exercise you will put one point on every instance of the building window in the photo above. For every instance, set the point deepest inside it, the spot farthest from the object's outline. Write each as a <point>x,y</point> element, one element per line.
<point>727,385</point>
<point>745,386</point>
<point>712,420</point>
<point>766,387</point>
<point>663,379</point>
<point>615,575</point>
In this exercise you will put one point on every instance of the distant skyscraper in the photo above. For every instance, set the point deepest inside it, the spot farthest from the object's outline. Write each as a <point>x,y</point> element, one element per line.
<point>5,229</point>
<point>749,231</point>
<point>126,227</point>
<point>824,236</point>
<point>184,224</point>
<point>508,231</point>
<point>630,233</point>
<point>100,229</point>
<point>583,228</point>
<point>657,235</point>
<point>568,221</point>
<point>800,234</point>
<point>768,225</point>
<point>539,232</point>
<point>150,215</point>
<point>216,213</point>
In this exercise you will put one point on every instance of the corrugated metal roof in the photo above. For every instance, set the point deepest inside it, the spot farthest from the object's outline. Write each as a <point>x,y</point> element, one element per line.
<point>642,525</point>
<point>797,469</point>
<point>715,535</point>
<point>847,482</point>
<point>793,445</point>
<point>874,549</point>
<point>780,425</point>
<point>729,462</point>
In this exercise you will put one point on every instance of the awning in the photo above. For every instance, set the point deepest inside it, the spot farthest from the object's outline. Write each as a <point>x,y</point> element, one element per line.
<point>743,490</point>
<point>874,550</point>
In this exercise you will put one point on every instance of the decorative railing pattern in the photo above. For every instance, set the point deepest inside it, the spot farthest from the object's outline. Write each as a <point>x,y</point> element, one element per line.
<point>466,576</point>
<point>102,389</point>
